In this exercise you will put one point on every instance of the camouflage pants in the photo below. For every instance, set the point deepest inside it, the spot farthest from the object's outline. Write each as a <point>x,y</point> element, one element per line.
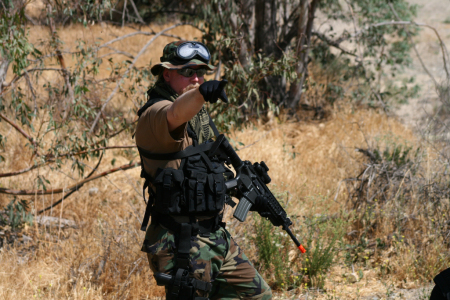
<point>216,259</point>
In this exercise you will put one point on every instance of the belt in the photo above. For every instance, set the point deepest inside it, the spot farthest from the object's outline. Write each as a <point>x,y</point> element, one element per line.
<point>204,227</point>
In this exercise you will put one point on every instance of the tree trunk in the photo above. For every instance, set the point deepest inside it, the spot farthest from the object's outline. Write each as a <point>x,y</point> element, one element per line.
<point>266,26</point>
<point>266,30</point>
<point>247,12</point>
<point>304,42</point>
<point>4,65</point>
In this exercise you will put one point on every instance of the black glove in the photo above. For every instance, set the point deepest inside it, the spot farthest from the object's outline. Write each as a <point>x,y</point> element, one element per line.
<point>213,90</point>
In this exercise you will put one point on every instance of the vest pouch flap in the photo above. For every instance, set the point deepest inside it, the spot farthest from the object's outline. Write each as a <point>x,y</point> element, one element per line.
<point>218,168</point>
<point>200,195</point>
<point>196,163</point>
<point>216,192</point>
<point>169,191</point>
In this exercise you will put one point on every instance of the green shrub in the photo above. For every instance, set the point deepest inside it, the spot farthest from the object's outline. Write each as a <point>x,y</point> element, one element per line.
<point>323,237</point>
<point>16,215</point>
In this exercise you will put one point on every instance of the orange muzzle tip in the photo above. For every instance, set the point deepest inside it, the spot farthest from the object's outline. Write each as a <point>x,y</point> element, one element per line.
<point>302,250</point>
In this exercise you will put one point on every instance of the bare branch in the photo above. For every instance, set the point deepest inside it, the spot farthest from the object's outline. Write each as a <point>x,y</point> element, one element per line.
<point>60,58</point>
<point>51,159</point>
<point>137,12</point>
<point>22,171</point>
<point>20,130</point>
<point>330,42</point>
<point>73,191</point>
<point>75,186</point>
<point>414,46</point>
<point>24,73</point>
<point>443,48</point>
<point>128,70</point>
<point>95,150</point>
<point>123,14</point>
<point>117,52</point>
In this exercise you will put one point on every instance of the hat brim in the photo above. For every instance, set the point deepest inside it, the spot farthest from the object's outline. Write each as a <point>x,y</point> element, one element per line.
<point>156,69</point>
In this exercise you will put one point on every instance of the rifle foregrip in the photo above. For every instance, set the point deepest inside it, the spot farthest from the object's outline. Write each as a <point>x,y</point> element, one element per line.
<point>242,209</point>
<point>234,158</point>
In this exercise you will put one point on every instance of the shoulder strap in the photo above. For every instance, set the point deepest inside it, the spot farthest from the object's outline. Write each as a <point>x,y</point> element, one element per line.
<point>213,126</point>
<point>189,151</point>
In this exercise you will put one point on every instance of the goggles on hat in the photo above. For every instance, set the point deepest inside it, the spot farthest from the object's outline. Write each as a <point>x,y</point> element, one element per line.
<point>188,72</point>
<point>189,50</point>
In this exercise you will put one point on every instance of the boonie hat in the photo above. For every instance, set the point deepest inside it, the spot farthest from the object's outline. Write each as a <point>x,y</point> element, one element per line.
<point>183,54</point>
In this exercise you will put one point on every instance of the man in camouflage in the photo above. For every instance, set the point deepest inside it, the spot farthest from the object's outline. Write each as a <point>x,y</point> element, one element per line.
<point>162,128</point>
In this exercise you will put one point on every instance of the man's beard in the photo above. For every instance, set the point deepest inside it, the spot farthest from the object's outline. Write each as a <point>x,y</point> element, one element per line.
<point>190,87</point>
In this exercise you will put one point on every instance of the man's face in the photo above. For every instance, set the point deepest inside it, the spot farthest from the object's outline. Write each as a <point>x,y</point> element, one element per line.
<point>178,82</point>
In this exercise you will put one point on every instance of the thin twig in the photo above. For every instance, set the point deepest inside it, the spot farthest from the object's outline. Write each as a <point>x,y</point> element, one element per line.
<point>128,70</point>
<point>414,46</point>
<point>70,188</point>
<point>443,48</point>
<point>94,150</point>
<point>256,140</point>
<point>15,173</point>
<point>123,14</point>
<point>20,130</point>
<point>71,192</point>
<point>60,59</point>
<point>17,77</point>
<point>117,52</point>
<point>52,159</point>
<point>137,12</point>
<point>332,43</point>
<point>136,33</point>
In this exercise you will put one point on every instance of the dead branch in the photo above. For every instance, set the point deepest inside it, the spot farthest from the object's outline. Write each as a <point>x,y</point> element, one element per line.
<point>95,150</point>
<point>24,73</point>
<point>128,70</point>
<point>414,46</point>
<point>335,44</point>
<point>137,12</point>
<point>75,186</point>
<point>15,173</point>
<point>20,130</point>
<point>61,60</point>
<point>443,48</point>
<point>51,159</point>
<point>73,191</point>
<point>102,264</point>
<point>115,51</point>
<point>133,34</point>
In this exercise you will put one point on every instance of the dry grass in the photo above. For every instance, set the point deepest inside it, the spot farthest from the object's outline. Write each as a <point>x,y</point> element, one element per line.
<point>101,259</point>
<point>70,259</point>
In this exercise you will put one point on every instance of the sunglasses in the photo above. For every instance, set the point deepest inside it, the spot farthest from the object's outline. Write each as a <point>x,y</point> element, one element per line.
<point>188,72</point>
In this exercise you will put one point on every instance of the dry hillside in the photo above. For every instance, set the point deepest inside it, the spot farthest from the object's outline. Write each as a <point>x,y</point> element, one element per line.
<point>91,249</point>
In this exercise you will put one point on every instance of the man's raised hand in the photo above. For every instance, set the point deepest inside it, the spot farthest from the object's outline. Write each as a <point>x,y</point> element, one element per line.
<point>213,90</point>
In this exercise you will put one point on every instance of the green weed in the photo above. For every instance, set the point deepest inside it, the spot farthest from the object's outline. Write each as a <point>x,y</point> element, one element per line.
<point>16,215</point>
<point>323,237</point>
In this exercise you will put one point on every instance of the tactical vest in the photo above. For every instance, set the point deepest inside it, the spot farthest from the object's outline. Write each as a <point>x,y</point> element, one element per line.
<point>197,188</point>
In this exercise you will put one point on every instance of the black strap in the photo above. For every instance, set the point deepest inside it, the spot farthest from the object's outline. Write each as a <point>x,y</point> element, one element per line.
<point>184,246</point>
<point>177,284</point>
<point>213,126</point>
<point>201,285</point>
<point>148,209</point>
<point>189,151</point>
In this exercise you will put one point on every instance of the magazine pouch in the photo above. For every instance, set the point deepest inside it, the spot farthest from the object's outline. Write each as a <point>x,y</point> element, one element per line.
<point>170,198</point>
